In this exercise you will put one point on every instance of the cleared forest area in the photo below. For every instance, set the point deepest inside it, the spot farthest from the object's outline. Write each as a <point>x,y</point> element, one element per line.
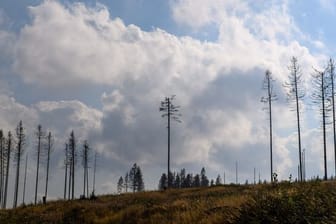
<point>307,202</point>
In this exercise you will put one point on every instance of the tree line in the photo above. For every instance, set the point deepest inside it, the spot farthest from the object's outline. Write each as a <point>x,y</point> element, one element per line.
<point>183,180</point>
<point>133,181</point>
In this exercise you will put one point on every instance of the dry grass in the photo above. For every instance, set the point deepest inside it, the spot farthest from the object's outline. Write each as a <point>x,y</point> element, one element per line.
<point>222,204</point>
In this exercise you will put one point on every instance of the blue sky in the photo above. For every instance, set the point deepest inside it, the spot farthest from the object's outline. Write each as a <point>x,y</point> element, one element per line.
<point>101,69</point>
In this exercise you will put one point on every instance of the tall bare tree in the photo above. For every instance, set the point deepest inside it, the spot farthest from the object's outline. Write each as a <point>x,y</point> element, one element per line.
<point>320,94</point>
<point>73,160</point>
<point>268,99</point>
<point>25,181</point>
<point>94,175</point>
<point>70,171</point>
<point>50,142</point>
<point>85,164</point>
<point>170,111</point>
<point>66,164</point>
<point>20,138</point>
<point>40,136</point>
<point>331,72</point>
<point>8,156</point>
<point>2,165</point>
<point>295,93</point>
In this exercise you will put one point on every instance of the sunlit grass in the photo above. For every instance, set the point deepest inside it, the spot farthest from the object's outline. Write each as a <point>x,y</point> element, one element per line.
<point>281,203</point>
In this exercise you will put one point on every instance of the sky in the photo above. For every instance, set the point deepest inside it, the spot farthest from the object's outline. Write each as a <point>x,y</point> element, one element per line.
<point>102,68</point>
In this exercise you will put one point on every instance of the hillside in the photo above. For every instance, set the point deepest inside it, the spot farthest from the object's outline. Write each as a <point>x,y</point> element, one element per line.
<point>312,202</point>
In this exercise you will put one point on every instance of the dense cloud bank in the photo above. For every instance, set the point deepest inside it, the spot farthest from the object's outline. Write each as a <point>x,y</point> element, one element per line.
<point>76,49</point>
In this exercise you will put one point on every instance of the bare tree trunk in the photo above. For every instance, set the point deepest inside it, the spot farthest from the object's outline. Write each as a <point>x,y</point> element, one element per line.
<point>9,144</point>
<point>270,120</point>
<point>84,184</point>
<point>85,154</point>
<point>87,182</point>
<point>16,190</point>
<point>18,161</point>
<point>24,183</point>
<point>73,179</point>
<point>320,95</point>
<point>66,170</point>
<point>324,128</point>
<point>39,135</point>
<point>298,124</point>
<point>332,68</point>
<point>94,175</point>
<point>268,86</point>
<point>168,174</point>
<point>73,166</point>
<point>295,93</point>
<point>70,174</point>
<point>48,161</point>
<point>2,161</point>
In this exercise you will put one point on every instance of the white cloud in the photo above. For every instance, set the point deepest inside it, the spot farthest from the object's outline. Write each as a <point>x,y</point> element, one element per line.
<point>328,5</point>
<point>12,112</point>
<point>198,13</point>
<point>270,20</point>
<point>319,44</point>
<point>218,84</point>
<point>87,46</point>
<point>69,115</point>
<point>58,117</point>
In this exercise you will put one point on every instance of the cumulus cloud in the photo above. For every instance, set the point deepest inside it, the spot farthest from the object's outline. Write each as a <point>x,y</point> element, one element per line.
<point>218,85</point>
<point>58,117</point>
<point>12,112</point>
<point>85,45</point>
<point>198,14</point>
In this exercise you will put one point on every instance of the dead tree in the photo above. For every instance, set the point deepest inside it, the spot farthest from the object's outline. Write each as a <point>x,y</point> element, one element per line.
<point>73,159</point>
<point>85,164</point>
<point>40,136</point>
<point>319,96</point>
<point>24,182</point>
<point>331,73</point>
<point>49,150</point>
<point>8,156</point>
<point>94,175</point>
<point>70,172</point>
<point>294,94</point>
<point>268,86</point>
<point>2,165</point>
<point>20,138</point>
<point>66,164</point>
<point>170,111</point>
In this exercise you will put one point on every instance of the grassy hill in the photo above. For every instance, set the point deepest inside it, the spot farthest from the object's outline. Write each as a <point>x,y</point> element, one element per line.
<point>311,202</point>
